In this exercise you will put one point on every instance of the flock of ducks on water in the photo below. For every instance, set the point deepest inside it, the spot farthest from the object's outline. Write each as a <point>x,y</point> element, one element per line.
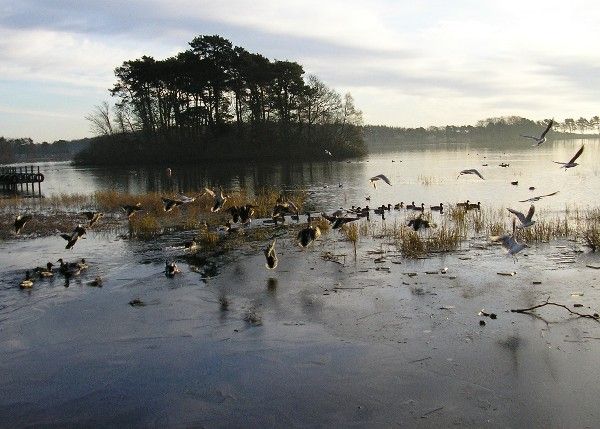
<point>284,207</point>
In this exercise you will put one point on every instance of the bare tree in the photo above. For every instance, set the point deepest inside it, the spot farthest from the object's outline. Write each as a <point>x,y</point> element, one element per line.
<point>99,119</point>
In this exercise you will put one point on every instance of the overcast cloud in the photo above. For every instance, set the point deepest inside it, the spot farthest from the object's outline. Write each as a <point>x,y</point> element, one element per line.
<point>407,63</point>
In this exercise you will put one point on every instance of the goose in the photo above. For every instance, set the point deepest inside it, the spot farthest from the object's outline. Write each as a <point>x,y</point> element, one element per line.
<point>130,210</point>
<point>169,204</point>
<point>219,199</point>
<point>471,171</point>
<point>399,206</point>
<point>515,183</point>
<point>420,208</point>
<point>308,235</point>
<point>185,199</point>
<point>45,271</point>
<point>246,213</point>
<point>504,164</point>
<point>97,282</point>
<point>542,138</point>
<point>341,221</point>
<point>419,223</point>
<point>171,269</point>
<point>509,242</point>
<point>20,222</point>
<point>439,208</point>
<point>571,162</point>
<point>463,205</point>
<point>474,206</point>
<point>92,217</point>
<point>68,269</point>
<point>282,208</point>
<point>27,282</point>
<point>271,256</point>
<point>234,211</point>
<point>373,180</point>
<point>410,206</point>
<point>525,220</point>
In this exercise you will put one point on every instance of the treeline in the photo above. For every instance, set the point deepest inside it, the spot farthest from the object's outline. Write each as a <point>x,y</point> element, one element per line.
<point>24,150</point>
<point>507,128</point>
<point>216,100</point>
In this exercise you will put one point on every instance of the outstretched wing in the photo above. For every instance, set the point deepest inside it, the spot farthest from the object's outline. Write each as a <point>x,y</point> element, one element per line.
<point>579,152</point>
<point>530,213</point>
<point>529,137</point>
<point>478,173</point>
<point>549,195</point>
<point>547,128</point>
<point>382,177</point>
<point>518,214</point>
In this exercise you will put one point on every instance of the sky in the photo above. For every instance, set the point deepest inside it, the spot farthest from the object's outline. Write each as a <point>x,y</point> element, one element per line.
<point>407,63</point>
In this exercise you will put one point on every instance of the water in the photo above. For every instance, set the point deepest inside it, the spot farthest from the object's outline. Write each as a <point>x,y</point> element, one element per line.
<point>421,173</point>
<point>337,344</point>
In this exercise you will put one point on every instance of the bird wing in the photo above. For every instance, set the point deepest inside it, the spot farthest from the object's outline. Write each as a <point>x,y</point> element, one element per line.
<point>384,178</point>
<point>478,173</point>
<point>547,128</point>
<point>209,192</point>
<point>579,152</point>
<point>530,213</point>
<point>88,215</point>
<point>530,137</point>
<point>558,162</point>
<point>66,236</point>
<point>549,195</point>
<point>518,214</point>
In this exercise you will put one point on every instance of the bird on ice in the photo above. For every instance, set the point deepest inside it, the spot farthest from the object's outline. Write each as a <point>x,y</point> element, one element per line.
<point>471,171</point>
<point>571,162</point>
<point>373,180</point>
<point>542,138</point>
<point>525,220</point>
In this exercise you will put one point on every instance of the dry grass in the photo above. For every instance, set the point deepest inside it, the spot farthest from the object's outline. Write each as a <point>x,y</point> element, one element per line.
<point>352,233</point>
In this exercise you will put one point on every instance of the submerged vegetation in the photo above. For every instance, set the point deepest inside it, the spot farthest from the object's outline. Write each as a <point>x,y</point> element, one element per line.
<point>219,101</point>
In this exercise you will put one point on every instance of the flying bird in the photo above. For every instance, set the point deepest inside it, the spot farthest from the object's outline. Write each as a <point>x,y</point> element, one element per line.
<point>271,256</point>
<point>219,199</point>
<point>171,269</point>
<point>93,217</point>
<point>542,138</point>
<point>374,180</point>
<point>471,171</point>
<point>169,204</point>
<point>509,242</point>
<point>20,222</point>
<point>74,236</point>
<point>328,153</point>
<point>308,235</point>
<point>571,162</point>
<point>539,197</point>
<point>525,220</point>
<point>130,210</point>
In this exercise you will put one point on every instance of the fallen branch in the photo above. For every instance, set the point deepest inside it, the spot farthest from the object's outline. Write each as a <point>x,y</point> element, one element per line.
<point>594,316</point>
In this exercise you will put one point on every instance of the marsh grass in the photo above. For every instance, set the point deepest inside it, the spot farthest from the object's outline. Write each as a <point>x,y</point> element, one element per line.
<point>352,233</point>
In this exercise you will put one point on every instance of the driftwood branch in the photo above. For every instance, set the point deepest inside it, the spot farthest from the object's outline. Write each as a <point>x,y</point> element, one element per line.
<point>594,316</point>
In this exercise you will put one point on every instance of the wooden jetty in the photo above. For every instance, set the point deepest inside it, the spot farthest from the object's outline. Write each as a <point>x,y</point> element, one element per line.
<point>15,179</point>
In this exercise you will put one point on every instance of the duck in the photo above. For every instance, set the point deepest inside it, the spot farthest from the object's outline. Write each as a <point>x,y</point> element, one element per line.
<point>45,271</point>
<point>420,208</point>
<point>271,256</point>
<point>74,236</point>
<point>171,269</point>
<point>130,210</point>
<point>504,164</point>
<point>27,282</point>
<point>246,213</point>
<point>399,206</point>
<point>439,208</point>
<point>97,282</point>
<point>308,235</point>
<point>514,183</point>
<point>463,205</point>
<point>82,265</point>
<point>190,246</point>
<point>20,222</point>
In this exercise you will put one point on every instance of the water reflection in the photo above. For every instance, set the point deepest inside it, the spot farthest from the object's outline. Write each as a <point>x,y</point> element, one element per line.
<point>423,173</point>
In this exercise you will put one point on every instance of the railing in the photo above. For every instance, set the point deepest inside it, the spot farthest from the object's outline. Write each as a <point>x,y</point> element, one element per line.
<point>16,179</point>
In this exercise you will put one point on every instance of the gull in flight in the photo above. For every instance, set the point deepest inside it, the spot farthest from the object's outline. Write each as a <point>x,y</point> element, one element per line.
<point>374,180</point>
<point>328,153</point>
<point>539,197</point>
<point>471,171</point>
<point>271,256</point>
<point>525,220</point>
<point>542,138</point>
<point>571,162</point>
<point>509,242</point>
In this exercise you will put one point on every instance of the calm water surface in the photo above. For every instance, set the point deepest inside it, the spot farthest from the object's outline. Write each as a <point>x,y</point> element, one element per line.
<point>425,173</point>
